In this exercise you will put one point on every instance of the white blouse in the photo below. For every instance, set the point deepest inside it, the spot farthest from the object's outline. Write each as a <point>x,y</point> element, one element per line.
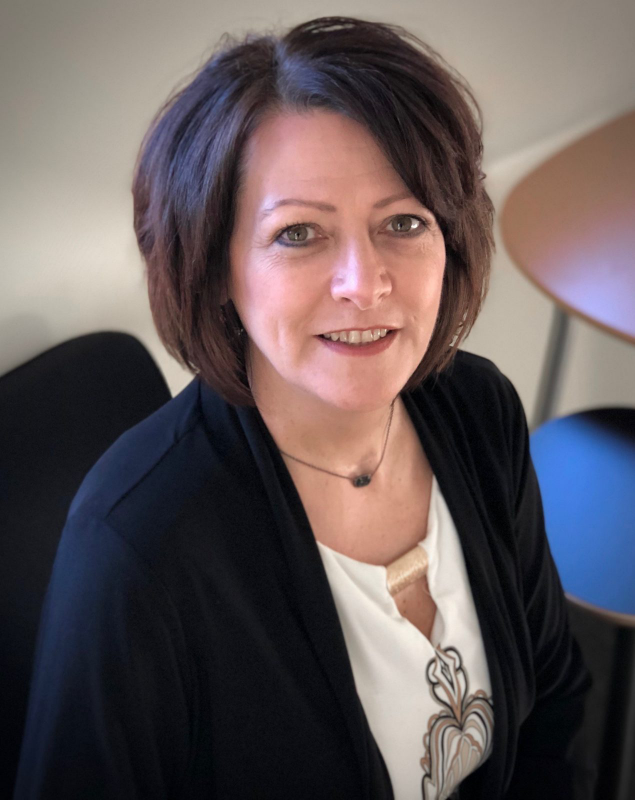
<point>428,702</point>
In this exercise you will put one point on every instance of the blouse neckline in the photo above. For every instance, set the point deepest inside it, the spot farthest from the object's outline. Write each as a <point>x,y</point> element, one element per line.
<point>428,542</point>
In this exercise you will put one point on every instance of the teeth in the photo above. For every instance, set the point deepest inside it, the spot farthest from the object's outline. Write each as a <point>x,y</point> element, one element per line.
<point>357,337</point>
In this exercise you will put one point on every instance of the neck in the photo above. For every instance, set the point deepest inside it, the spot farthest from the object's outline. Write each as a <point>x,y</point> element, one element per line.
<point>346,441</point>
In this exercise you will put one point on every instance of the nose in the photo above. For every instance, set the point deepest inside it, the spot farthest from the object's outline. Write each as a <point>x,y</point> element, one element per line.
<point>360,276</point>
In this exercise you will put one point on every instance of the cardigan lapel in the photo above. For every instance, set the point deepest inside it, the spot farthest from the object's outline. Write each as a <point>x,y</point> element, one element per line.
<point>456,484</point>
<point>310,589</point>
<point>315,601</point>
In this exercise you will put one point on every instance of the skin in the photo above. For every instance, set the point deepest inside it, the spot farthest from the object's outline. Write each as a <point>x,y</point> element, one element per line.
<point>353,268</point>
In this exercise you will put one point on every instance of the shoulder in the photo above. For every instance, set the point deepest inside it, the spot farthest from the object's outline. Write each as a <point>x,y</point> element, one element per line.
<point>140,484</point>
<point>477,375</point>
<point>473,387</point>
<point>475,409</point>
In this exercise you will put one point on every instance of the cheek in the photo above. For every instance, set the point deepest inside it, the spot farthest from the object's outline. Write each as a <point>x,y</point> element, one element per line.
<point>425,298</point>
<point>437,273</point>
<point>427,286</point>
<point>427,268</point>
<point>252,292</point>
<point>274,308</point>
<point>288,293</point>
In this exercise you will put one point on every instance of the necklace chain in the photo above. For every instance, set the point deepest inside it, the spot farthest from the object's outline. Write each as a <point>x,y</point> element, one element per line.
<point>357,480</point>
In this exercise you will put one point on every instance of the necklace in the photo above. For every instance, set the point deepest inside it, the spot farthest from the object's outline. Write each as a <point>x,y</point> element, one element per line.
<point>358,481</point>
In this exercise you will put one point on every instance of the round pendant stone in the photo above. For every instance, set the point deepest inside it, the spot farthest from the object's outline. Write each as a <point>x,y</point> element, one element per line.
<point>361,480</point>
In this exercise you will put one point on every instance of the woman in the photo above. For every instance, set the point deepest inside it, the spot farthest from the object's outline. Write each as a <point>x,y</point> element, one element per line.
<point>321,570</point>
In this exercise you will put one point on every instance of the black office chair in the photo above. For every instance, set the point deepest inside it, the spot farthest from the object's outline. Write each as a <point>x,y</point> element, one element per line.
<point>58,413</point>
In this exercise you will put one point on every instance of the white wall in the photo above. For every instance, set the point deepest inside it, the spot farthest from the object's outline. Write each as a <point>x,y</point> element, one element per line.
<point>80,81</point>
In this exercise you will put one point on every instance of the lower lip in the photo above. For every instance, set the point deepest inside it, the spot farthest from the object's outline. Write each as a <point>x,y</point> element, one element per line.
<point>370,349</point>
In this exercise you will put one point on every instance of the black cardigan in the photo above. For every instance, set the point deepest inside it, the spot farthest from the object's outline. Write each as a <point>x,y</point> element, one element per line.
<point>190,646</point>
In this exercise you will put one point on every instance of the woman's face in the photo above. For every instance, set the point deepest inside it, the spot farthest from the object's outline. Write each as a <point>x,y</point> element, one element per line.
<point>327,239</point>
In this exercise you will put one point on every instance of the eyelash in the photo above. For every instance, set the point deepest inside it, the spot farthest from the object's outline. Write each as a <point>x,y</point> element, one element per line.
<point>278,237</point>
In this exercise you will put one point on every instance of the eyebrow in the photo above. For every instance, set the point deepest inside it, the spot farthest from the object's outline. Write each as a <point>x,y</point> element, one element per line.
<point>295,201</point>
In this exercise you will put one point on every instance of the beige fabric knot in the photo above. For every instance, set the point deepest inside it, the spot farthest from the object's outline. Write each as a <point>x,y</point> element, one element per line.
<point>406,570</point>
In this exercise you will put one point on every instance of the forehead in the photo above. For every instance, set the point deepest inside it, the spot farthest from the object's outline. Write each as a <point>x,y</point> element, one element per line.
<point>320,152</point>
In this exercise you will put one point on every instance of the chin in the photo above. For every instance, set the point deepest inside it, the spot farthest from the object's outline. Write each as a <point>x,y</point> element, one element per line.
<point>360,398</point>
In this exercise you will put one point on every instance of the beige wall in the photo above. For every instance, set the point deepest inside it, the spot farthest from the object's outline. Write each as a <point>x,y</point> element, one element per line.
<point>80,80</point>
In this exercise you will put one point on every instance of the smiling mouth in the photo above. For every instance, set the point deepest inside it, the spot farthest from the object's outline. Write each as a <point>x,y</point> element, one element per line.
<point>358,337</point>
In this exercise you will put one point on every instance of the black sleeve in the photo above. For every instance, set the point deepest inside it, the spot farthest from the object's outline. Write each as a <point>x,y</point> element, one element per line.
<point>108,712</point>
<point>548,763</point>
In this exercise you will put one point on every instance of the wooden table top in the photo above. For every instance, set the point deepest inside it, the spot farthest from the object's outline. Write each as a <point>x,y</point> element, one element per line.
<point>570,227</point>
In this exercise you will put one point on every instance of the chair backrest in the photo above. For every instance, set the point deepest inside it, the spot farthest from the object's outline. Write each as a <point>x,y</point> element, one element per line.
<point>58,413</point>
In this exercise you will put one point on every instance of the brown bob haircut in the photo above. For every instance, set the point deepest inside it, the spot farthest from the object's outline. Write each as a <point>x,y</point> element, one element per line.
<point>188,174</point>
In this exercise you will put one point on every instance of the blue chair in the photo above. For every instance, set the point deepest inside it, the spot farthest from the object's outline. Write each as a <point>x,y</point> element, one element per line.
<point>585,464</point>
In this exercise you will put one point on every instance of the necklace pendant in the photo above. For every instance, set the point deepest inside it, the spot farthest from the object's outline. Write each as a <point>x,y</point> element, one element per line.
<point>361,480</point>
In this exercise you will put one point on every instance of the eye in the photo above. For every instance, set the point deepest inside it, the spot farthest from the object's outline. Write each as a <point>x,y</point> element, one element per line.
<point>299,233</point>
<point>408,225</point>
<point>296,235</point>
